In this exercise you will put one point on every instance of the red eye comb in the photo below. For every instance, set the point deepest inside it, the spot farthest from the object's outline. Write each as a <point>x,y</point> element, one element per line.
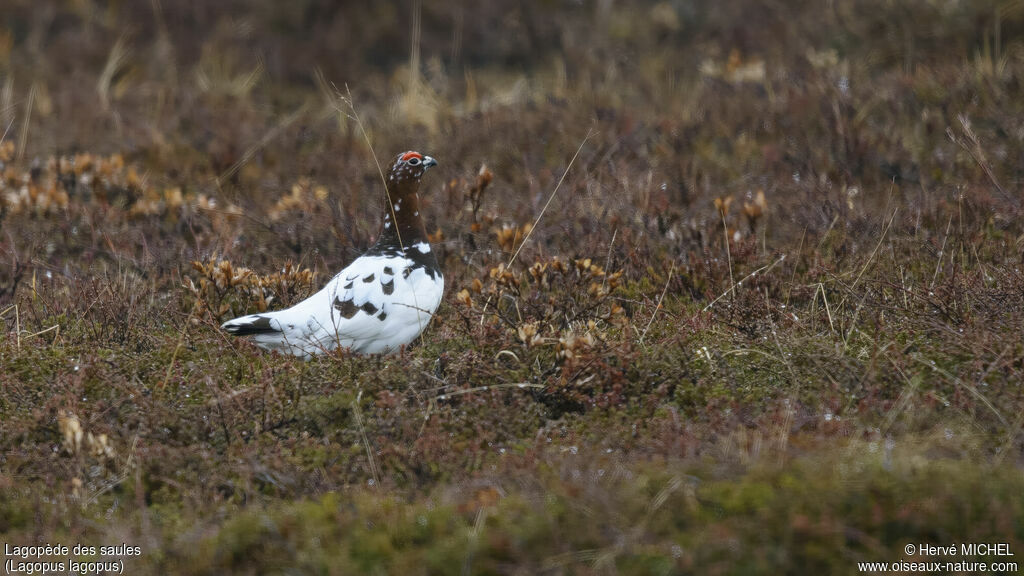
<point>410,155</point>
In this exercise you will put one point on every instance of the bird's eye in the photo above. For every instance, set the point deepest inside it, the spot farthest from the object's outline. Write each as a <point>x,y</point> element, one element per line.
<point>414,161</point>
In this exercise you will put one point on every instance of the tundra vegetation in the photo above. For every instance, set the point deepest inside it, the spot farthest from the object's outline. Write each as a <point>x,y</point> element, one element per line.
<point>767,320</point>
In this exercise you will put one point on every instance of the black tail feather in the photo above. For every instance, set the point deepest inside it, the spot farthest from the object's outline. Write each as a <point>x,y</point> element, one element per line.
<point>246,327</point>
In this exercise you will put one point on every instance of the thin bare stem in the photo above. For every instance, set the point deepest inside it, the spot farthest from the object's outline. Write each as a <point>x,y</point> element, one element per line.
<point>885,230</point>
<point>732,288</point>
<point>488,387</point>
<point>23,138</point>
<point>177,348</point>
<point>552,197</point>
<point>608,260</point>
<point>661,298</point>
<point>942,252</point>
<point>969,387</point>
<point>6,130</point>
<point>973,147</point>
<point>358,414</point>
<point>252,150</point>
<point>728,251</point>
<point>350,102</point>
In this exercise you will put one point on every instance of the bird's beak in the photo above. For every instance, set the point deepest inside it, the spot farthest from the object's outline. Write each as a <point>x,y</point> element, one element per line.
<point>428,162</point>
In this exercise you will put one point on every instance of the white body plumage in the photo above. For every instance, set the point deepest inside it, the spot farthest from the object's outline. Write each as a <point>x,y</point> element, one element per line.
<point>378,303</point>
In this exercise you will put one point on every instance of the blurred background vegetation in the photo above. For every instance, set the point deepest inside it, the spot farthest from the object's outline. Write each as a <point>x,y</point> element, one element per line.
<point>770,323</point>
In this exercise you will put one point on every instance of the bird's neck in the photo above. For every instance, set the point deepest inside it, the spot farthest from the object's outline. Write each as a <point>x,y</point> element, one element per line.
<point>403,226</point>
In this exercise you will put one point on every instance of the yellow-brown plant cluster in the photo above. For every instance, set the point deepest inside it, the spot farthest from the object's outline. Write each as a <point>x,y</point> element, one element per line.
<point>509,236</point>
<point>77,440</point>
<point>571,345</point>
<point>754,210</point>
<point>90,450</point>
<point>464,195</point>
<point>168,201</point>
<point>6,151</point>
<point>567,319</point>
<point>475,194</point>
<point>221,288</point>
<point>567,304</point>
<point>24,191</point>
<point>304,196</point>
<point>53,186</point>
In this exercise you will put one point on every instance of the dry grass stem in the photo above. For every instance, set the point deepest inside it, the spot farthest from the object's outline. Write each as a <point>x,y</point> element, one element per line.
<point>551,197</point>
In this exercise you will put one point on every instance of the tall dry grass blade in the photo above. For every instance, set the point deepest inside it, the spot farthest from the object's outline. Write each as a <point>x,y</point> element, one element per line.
<point>519,385</point>
<point>590,133</point>
<point>329,92</point>
<point>853,323</point>
<point>350,102</point>
<point>828,309</point>
<point>177,349</point>
<point>474,535</point>
<point>671,271</point>
<point>969,387</point>
<point>1011,438</point>
<point>972,145</point>
<point>414,49</point>
<point>357,413</point>
<point>7,104</point>
<point>902,401</point>
<point>23,138</point>
<point>778,345</point>
<point>662,496</point>
<point>263,141</point>
<point>103,489</point>
<point>871,258</point>
<point>942,252</point>
<point>45,330</point>
<point>792,277</point>
<point>6,130</point>
<point>608,259</point>
<point>728,250</point>
<point>115,62</point>
<point>353,114</point>
<point>765,268</point>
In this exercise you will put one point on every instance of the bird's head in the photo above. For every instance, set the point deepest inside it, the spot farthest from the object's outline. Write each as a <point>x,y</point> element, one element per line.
<point>409,167</point>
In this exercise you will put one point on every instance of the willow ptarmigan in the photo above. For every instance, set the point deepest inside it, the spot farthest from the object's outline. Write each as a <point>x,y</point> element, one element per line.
<point>378,303</point>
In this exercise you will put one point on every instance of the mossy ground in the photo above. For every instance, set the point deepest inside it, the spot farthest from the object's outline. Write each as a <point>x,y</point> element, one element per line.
<point>769,323</point>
